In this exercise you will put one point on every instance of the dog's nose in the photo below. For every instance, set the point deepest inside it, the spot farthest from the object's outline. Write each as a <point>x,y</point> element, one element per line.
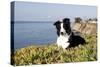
<point>62,33</point>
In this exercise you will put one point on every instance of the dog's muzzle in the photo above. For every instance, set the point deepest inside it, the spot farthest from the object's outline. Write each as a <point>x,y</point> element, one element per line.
<point>62,33</point>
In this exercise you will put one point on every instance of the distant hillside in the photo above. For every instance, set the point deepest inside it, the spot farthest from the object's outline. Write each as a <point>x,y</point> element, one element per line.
<point>86,28</point>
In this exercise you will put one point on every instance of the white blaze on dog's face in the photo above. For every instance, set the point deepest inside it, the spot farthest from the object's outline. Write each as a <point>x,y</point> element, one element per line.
<point>62,30</point>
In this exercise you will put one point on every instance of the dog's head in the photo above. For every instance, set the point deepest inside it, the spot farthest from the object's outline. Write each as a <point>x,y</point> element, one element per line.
<point>63,27</point>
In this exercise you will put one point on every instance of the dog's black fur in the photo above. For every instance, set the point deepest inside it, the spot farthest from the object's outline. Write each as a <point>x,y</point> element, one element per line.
<point>75,40</point>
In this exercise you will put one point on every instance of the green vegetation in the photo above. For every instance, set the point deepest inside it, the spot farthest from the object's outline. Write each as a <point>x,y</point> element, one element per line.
<point>49,54</point>
<point>78,19</point>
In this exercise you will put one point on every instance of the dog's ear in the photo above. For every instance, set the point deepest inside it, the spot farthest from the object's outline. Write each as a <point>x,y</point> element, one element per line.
<point>66,20</point>
<point>57,22</point>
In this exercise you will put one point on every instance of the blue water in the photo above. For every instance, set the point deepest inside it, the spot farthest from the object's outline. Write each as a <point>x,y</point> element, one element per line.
<point>28,33</point>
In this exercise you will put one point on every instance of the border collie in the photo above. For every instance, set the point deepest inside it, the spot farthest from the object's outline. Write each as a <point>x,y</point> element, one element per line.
<point>66,38</point>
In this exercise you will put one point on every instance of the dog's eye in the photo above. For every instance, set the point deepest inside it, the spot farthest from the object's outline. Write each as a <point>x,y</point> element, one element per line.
<point>65,26</point>
<point>58,27</point>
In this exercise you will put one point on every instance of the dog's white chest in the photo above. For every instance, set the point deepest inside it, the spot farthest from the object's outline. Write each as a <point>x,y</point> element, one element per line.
<point>63,41</point>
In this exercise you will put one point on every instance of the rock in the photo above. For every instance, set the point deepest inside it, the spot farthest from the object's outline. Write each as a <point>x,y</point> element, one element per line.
<point>85,28</point>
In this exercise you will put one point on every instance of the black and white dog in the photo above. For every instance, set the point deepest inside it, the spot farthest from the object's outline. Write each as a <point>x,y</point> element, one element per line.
<point>66,38</point>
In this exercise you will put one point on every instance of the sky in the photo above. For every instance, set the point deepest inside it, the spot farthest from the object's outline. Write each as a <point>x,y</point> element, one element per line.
<point>32,11</point>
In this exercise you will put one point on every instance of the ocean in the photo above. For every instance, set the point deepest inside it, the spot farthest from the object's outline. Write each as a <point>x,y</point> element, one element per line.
<point>33,33</point>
